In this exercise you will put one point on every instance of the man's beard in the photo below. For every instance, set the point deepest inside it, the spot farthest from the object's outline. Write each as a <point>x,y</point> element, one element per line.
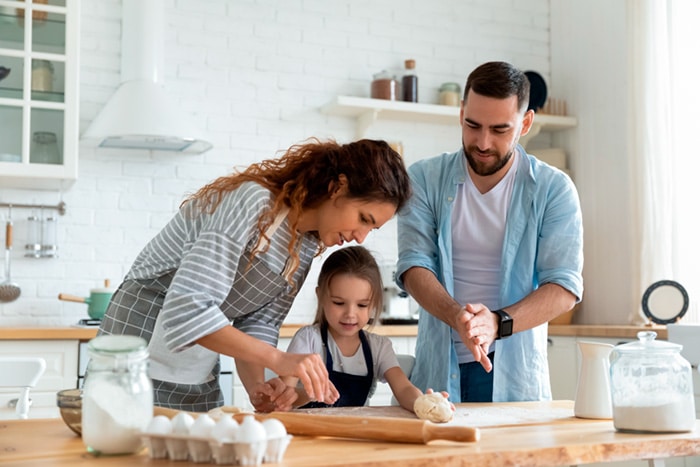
<point>483,169</point>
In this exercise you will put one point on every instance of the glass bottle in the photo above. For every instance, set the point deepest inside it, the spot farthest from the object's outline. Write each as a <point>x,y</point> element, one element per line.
<point>409,82</point>
<point>117,395</point>
<point>49,247</point>
<point>33,245</point>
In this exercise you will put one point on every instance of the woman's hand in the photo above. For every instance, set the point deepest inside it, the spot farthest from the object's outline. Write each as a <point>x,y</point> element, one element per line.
<point>311,372</point>
<point>273,395</point>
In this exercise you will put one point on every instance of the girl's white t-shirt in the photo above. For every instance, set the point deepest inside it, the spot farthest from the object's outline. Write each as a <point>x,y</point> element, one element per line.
<point>308,340</point>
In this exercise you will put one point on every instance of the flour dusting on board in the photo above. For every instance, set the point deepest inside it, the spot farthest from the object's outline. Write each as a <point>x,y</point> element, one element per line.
<point>473,415</point>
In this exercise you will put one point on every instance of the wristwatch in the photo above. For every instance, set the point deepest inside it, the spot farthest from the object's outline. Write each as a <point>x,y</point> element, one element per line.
<point>505,324</point>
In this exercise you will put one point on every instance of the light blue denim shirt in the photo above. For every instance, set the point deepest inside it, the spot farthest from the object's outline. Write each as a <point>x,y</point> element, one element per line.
<point>543,243</point>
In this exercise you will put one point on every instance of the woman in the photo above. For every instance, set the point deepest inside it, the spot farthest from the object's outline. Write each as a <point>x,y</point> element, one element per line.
<point>222,275</point>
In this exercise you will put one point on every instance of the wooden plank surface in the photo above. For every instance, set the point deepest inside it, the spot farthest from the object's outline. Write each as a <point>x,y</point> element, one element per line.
<point>25,443</point>
<point>288,330</point>
<point>81,333</point>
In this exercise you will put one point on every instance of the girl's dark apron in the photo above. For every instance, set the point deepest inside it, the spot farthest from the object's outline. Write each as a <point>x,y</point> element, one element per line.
<point>353,389</point>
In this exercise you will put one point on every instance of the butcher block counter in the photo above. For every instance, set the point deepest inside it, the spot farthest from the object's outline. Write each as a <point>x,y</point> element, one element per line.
<point>524,434</point>
<point>288,330</point>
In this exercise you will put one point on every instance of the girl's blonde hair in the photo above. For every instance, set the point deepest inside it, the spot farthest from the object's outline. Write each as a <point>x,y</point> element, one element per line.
<point>305,175</point>
<point>356,261</point>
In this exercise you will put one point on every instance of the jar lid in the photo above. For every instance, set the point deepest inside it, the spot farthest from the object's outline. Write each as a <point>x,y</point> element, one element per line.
<point>117,344</point>
<point>450,87</point>
<point>37,64</point>
<point>383,75</point>
<point>647,343</point>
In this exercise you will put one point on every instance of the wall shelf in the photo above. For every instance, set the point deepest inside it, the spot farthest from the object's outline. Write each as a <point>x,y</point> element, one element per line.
<point>367,111</point>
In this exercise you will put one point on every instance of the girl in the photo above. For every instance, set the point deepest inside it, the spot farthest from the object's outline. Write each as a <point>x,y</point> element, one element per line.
<point>350,294</point>
<point>222,274</point>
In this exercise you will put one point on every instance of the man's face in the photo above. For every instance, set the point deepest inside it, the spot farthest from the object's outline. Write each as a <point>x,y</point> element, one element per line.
<point>491,129</point>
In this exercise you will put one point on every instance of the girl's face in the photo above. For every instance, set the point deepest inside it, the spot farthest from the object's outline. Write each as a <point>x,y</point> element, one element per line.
<point>347,305</point>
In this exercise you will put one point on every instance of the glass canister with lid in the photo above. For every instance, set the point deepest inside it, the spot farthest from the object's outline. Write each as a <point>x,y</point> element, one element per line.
<point>651,386</point>
<point>450,94</point>
<point>117,395</point>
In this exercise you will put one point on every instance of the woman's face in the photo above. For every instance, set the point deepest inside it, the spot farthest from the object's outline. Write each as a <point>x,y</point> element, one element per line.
<point>347,304</point>
<point>341,219</point>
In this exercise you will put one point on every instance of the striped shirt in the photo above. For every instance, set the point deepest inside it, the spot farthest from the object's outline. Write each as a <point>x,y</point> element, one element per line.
<point>205,254</point>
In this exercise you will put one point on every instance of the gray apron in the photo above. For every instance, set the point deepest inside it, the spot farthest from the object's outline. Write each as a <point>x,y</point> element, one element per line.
<point>134,310</point>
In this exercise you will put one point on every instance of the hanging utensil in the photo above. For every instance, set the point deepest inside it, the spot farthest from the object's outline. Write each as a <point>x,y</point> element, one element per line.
<point>9,291</point>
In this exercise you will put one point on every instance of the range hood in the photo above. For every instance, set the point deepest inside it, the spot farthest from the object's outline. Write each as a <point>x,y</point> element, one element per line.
<point>140,114</point>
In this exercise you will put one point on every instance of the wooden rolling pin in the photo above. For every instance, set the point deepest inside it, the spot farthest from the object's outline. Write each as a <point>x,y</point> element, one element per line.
<point>399,430</point>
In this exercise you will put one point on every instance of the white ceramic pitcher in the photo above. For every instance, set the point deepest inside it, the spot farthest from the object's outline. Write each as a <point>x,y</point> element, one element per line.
<point>593,389</point>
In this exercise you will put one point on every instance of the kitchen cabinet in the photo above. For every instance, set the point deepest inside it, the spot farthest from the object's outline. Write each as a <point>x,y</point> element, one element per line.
<point>39,48</point>
<point>61,372</point>
<point>367,111</point>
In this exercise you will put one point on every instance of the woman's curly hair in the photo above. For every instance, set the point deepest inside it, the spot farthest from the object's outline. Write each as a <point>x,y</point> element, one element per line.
<point>303,176</point>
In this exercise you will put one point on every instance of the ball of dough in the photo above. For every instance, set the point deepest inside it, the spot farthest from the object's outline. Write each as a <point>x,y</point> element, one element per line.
<point>434,407</point>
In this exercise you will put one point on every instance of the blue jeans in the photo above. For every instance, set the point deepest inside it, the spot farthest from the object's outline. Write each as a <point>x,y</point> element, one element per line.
<point>475,383</point>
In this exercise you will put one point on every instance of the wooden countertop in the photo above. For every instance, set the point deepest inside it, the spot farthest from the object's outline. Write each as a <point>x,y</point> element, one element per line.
<point>288,330</point>
<point>605,330</point>
<point>84,333</point>
<point>559,439</point>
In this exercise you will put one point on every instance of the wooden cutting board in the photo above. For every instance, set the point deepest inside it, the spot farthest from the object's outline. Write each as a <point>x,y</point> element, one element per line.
<point>479,415</point>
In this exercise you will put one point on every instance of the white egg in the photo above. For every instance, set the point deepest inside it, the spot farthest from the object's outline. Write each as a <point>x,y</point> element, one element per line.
<point>160,425</point>
<point>182,423</point>
<point>274,428</point>
<point>202,426</point>
<point>226,429</point>
<point>251,431</point>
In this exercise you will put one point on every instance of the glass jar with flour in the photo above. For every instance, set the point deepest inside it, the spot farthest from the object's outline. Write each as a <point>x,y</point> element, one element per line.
<point>117,395</point>
<point>651,386</point>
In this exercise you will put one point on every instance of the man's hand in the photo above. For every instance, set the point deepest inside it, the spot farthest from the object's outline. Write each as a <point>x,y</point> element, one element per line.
<point>478,329</point>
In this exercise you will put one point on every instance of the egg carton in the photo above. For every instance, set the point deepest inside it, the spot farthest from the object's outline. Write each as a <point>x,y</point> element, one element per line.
<point>207,450</point>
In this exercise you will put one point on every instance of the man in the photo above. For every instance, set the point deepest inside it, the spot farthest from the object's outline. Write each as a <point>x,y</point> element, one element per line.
<point>491,244</point>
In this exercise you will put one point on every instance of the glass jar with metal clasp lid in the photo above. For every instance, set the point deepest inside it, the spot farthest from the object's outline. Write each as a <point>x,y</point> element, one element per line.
<point>117,395</point>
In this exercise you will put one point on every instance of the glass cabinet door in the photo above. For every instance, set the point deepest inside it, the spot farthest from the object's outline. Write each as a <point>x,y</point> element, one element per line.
<point>33,55</point>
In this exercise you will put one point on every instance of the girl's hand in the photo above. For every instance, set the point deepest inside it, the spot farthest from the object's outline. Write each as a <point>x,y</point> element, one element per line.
<point>273,395</point>
<point>445,394</point>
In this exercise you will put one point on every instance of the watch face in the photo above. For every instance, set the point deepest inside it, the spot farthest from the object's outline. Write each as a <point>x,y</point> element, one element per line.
<point>506,327</point>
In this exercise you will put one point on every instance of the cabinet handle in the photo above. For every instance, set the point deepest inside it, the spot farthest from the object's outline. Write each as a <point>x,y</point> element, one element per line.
<point>550,342</point>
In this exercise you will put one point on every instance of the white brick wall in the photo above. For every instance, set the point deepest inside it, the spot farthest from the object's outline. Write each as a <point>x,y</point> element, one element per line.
<point>254,74</point>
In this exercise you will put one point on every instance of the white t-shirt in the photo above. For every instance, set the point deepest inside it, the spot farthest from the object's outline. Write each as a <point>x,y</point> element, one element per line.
<point>308,340</point>
<point>478,228</point>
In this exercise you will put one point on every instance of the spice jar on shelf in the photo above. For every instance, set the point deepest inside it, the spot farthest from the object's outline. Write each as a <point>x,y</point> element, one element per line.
<point>450,94</point>
<point>384,86</point>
